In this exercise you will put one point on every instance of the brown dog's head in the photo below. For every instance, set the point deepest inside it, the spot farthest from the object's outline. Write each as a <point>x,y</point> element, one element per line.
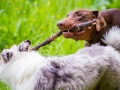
<point>77,17</point>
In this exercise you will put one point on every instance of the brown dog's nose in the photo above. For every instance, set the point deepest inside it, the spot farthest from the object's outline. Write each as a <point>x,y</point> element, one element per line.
<point>60,24</point>
<point>65,24</point>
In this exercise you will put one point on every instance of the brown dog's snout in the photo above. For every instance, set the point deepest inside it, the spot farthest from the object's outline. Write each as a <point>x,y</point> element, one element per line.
<point>61,24</point>
<point>65,24</point>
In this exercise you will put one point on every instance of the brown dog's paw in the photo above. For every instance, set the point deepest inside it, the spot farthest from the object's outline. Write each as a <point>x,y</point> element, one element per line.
<point>24,46</point>
<point>6,55</point>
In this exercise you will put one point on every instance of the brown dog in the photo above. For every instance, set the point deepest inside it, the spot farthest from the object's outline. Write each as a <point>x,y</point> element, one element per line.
<point>92,34</point>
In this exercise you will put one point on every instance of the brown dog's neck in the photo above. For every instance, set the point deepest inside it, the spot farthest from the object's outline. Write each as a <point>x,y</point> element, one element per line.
<point>90,42</point>
<point>95,37</point>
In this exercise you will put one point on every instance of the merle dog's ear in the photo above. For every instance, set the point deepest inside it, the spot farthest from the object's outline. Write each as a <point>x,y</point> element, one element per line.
<point>24,46</point>
<point>6,55</point>
<point>101,22</point>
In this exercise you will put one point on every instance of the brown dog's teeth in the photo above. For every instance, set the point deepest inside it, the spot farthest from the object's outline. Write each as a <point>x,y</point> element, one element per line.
<point>74,30</point>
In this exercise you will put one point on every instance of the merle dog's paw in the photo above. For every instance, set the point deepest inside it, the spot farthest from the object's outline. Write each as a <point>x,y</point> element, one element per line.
<point>6,55</point>
<point>24,46</point>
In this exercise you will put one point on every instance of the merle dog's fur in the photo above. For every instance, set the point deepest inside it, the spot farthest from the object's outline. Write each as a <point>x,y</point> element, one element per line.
<point>91,68</point>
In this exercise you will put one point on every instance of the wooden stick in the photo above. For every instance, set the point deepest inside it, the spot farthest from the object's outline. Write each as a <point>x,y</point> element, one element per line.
<point>59,33</point>
<point>50,39</point>
<point>85,24</point>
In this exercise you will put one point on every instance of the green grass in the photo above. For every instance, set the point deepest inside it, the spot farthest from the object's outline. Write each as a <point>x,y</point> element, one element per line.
<point>36,20</point>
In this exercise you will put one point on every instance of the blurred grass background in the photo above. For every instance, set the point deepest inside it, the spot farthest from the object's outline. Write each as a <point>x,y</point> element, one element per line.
<point>36,20</point>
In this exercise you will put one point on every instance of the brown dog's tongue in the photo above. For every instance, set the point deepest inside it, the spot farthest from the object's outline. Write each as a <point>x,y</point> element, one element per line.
<point>67,34</point>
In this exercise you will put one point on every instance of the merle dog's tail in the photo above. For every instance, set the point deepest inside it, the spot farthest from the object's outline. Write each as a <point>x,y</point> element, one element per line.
<point>112,38</point>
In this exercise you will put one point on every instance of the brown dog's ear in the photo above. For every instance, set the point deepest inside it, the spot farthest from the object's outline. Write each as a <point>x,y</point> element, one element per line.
<point>95,14</point>
<point>101,22</point>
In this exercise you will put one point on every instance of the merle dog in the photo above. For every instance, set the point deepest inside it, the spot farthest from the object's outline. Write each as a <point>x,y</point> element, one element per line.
<point>91,68</point>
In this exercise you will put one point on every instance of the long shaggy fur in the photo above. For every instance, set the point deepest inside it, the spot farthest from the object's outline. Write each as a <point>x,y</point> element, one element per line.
<point>91,68</point>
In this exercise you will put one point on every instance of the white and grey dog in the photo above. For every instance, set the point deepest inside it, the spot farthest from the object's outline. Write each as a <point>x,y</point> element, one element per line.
<point>91,68</point>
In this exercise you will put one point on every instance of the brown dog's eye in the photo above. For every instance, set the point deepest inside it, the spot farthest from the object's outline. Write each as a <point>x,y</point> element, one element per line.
<point>67,15</point>
<point>78,13</point>
<point>82,18</point>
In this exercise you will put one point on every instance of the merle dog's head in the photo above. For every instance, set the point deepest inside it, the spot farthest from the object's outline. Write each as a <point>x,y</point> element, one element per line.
<point>7,54</point>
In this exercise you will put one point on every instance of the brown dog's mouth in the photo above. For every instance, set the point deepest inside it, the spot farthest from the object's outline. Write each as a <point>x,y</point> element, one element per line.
<point>73,33</point>
<point>73,30</point>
